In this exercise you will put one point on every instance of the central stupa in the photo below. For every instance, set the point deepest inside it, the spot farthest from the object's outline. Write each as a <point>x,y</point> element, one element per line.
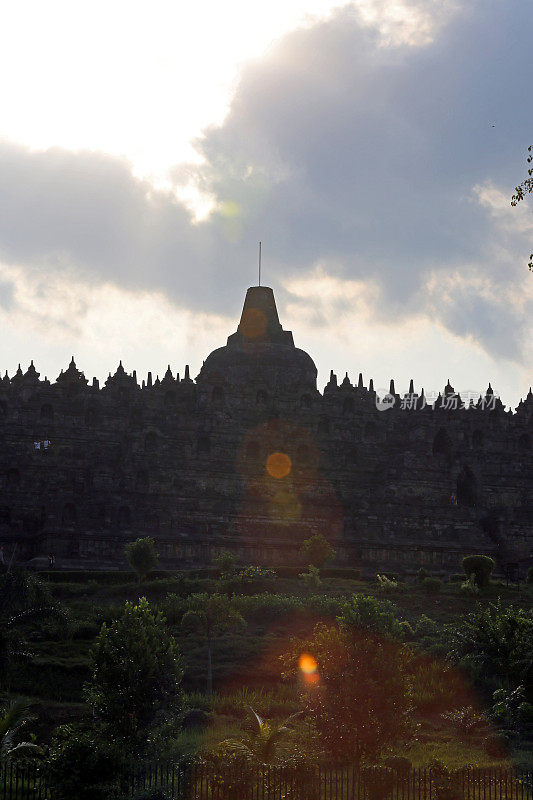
<point>260,350</point>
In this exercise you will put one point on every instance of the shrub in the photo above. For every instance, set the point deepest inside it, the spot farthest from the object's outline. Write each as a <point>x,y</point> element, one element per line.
<point>466,721</point>
<point>426,627</point>
<point>470,586</point>
<point>456,577</point>
<point>432,585</point>
<point>317,550</point>
<point>408,631</point>
<point>82,764</point>
<point>529,576</point>
<point>421,574</point>
<point>386,584</point>
<point>362,705</point>
<point>311,578</point>
<point>479,566</point>
<point>141,556</point>
<point>361,613</point>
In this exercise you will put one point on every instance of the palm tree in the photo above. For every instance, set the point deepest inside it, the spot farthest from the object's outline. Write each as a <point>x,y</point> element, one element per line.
<point>261,744</point>
<point>13,719</point>
<point>211,614</point>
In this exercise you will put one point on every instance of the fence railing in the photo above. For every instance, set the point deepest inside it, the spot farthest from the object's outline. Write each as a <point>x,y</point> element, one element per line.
<point>19,781</point>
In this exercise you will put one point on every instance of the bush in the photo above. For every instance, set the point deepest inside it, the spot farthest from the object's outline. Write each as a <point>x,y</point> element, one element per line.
<point>408,631</point>
<point>456,577</point>
<point>432,585</point>
<point>481,567</point>
<point>317,550</point>
<point>141,556</point>
<point>529,576</point>
<point>421,574</point>
<point>470,586</point>
<point>83,765</point>
<point>386,584</point>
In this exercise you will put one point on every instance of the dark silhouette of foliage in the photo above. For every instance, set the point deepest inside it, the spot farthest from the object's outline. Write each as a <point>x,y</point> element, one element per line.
<point>136,670</point>
<point>481,567</point>
<point>359,699</point>
<point>524,188</point>
<point>142,556</point>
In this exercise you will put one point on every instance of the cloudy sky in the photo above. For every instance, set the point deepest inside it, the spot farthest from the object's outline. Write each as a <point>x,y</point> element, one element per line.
<point>373,147</point>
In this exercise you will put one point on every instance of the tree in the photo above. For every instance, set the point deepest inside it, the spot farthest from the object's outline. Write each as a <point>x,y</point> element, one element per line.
<point>23,598</point>
<point>495,644</point>
<point>261,744</point>
<point>526,187</point>
<point>136,670</point>
<point>317,550</point>
<point>481,567</point>
<point>362,613</point>
<point>359,697</point>
<point>211,614</point>
<point>12,721</point>
<point>141,556</point>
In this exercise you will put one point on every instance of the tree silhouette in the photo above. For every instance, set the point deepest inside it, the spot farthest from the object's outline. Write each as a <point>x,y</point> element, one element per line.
<point>211,614</point>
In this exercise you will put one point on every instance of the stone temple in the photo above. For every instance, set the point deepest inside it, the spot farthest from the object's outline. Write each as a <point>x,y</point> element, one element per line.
<point>251,457</point>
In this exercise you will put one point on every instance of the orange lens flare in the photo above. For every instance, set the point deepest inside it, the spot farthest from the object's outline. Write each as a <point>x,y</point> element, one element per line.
<point>278,465</point>
<point>308,664</point>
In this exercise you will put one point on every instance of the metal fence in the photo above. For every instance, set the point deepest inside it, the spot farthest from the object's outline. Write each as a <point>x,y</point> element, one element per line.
<point>203,782</point>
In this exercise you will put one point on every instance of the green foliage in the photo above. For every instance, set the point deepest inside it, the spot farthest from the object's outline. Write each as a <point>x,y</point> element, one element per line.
<point>317,550</point>
<point>529,576</point>
<point>311,578</point>
<point>83,764</point>
<point>421,574</point>
<point>12,721</point>
<point>386,584</point>
<point>261,744</point>
<point>466,721</point>
<point>470,586</point>
<point>435,686</point>
<point>510,710</point>
<point>136,670</point>
<point>365,613</point>
<point>249,579</point>
<point>211,614</point>
<point>226,562</point>
<point>481,567</point>
<point>431,585</point>
<point>141,556</point>
<point>23,599</point>
<point>360,705</point>
<point>495,644</point>
<point>21,590</point>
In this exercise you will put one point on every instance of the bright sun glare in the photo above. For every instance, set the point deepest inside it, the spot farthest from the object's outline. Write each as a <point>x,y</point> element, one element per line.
<point>137,80</point>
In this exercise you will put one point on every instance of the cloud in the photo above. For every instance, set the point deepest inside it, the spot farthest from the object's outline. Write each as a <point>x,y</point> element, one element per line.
<point>377,145</point>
